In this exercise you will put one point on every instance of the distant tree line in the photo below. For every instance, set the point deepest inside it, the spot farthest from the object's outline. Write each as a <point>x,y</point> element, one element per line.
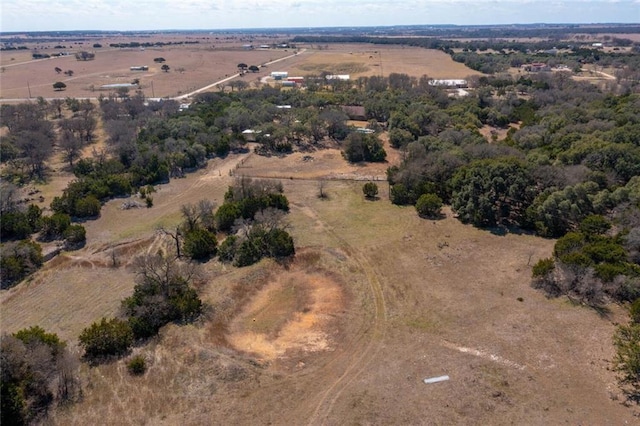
<point>136,44</point>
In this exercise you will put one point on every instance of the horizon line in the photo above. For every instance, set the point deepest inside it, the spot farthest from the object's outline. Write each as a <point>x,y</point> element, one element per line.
<point>307,28</point>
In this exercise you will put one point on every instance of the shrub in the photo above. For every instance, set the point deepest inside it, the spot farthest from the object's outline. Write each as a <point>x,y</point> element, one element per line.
<point>53,226</point>
<point>429,205</point>
<point>19,259</point>
<point>106,338</point>
<point>37,334</point>
<point>88,206</point>
<point>370,190</point>
<point>279,244</point>
<point>627,359</point>
<point>594,225</point>
<point>400,195</point>
<point>226,215</point>
<point>75,235</point>
<point>543,267</point>
<point>634,311</point>
<point>200,244</point>
<point>228,248</point>
<point>137,365</point>
<point>571,242</point>
<point>247,254</point>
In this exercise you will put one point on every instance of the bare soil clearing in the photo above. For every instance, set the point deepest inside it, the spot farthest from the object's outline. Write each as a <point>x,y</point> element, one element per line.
<point>290,314</point>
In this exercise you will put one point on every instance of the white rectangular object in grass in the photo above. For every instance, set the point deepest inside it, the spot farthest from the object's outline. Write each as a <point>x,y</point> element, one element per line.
<point>436,379</point>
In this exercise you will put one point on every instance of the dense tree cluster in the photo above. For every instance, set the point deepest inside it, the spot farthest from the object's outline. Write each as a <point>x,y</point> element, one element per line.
<point>164,293</point>
<point>590,264</point>
<point>627,359</point>
<point>254,210</point>
<point>37,371</point>
<point>492,55</point>
<point>19,254</point>
<point>19,259</point>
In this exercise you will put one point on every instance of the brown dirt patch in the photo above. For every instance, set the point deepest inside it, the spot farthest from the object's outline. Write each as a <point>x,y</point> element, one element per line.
<point>290,314</point>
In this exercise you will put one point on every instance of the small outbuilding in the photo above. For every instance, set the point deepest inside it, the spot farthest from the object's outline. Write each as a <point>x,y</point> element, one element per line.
<point>340,77</point>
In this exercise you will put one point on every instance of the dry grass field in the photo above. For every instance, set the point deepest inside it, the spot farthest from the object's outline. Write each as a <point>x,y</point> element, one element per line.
<point>375,301</point>
<point>359,60</point>
<point>191,67</point>
<point>197,65</point>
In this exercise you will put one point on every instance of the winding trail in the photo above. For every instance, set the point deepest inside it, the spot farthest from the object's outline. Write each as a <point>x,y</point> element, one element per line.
<point>363,353</point>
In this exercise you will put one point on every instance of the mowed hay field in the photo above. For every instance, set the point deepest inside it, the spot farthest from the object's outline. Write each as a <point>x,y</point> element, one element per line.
<point>359,60</point>
<point>191,67</point>
<point>376,300</point>
<point>198,65</point>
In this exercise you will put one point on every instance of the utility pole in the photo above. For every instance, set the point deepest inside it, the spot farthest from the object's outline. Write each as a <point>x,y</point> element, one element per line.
<point>29,88</point>
<point>153,93</point>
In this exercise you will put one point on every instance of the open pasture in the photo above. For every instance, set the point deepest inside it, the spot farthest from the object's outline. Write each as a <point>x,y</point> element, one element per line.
<point>196,65</point>
<point>376,300</point>
<point>191,67</point>
<point>359,60</point>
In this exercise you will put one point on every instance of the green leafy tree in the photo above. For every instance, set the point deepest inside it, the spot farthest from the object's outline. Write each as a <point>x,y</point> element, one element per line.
<point>400,137</point>
<point>59,86</point>
<point>594,225</point>
<point>363,147</point>
<point>429,205</point>
<point>163,294</point>
<point>200,244</point>
<point>226,215</point>
<point>36,372</point>
<point>370,190</point>
<point>19,259</point>
<point>53,226</point>
<point>106,338</point>
<point>227,249</point>
<point>492,192</point>
<point>75,236</point>
<point>88,206</point>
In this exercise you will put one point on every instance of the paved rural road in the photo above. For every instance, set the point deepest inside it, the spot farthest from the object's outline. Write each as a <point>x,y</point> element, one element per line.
<point>202,89</point>
<point>176,98</point>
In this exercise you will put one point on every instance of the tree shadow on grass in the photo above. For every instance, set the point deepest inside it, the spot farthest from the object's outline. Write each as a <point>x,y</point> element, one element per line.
<point>503,230</point>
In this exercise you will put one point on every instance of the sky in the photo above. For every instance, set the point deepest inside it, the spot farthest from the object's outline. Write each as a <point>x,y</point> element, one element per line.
<point>130,15</point>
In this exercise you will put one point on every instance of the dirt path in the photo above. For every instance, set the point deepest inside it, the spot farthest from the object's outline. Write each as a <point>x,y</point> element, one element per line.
<point>362,353</point>
<point>217,83</point>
